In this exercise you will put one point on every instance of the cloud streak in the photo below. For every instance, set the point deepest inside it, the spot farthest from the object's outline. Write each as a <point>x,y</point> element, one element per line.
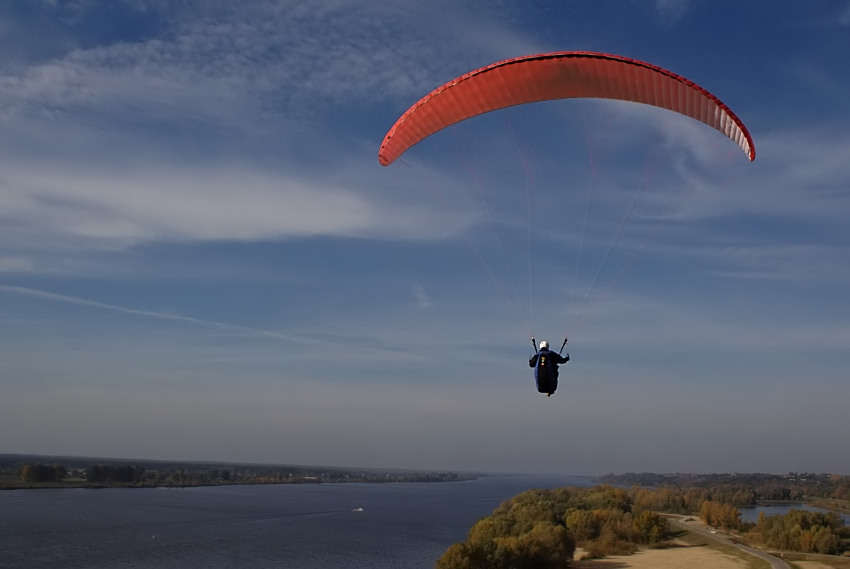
<point>54,297</point>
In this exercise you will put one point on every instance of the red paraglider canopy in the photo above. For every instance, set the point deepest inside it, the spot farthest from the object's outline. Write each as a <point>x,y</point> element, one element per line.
<point>559,75</point>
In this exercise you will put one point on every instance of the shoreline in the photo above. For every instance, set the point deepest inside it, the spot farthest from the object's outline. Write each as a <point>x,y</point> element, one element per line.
<point>71,485</point>
<point>32,472</point>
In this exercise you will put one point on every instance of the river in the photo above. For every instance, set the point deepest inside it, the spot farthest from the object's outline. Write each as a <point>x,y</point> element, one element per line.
<point>308,526</point>
<point>780,508</point>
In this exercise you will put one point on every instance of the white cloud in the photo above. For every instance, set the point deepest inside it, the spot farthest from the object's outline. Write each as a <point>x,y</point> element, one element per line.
<point>108,209</point>
<point>121,143</point>
<point>794,263</point>
<point>279,57</point>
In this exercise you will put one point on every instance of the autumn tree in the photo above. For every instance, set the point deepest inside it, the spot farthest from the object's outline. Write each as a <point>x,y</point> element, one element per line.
<point>650,527</point>
<point>720,515</point>
<point>540,528</point>
<point>800,530</point>
<point>32,473</point>
<point>525,532</point>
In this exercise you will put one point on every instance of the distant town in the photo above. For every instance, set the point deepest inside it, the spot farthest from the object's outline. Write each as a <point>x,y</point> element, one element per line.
<point>19,471</point>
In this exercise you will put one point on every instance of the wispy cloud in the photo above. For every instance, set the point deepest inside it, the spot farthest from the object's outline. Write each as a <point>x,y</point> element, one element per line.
<point>212,60</point>
<point>54,297</point>
<point>15,264</point>
<point>120,142</point>
<point>826,265</point>
<point>844,16</point>
<point>671,10</point>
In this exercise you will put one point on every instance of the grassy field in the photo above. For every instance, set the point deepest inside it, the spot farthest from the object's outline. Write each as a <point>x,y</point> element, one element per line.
<point>813,561</point>
<point>687,550</point>
<point>693,539</point>
<point>795,560</point>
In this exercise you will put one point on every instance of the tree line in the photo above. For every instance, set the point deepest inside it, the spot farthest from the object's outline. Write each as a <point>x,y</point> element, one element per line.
<point>540,529</point>
<point>798,530</point>
<point>147,474</point>
<point>35,473</point>
<point>803,531</point>
<point>715,499</point>
<point>744,489</point>
<point>126,474</point>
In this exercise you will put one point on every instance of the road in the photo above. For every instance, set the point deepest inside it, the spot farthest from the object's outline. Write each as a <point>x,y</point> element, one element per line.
<point>699,528</point>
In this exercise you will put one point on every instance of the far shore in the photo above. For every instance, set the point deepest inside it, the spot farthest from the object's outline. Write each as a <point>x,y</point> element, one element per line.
<point>92,472</point>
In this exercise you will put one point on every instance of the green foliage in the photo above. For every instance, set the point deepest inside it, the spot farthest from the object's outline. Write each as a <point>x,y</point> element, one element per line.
<point>540,528</point>
<point>543,546</point>
<point>715,497</point>
<point>650,527</point>
<point>800,530</point>
<point>526,531</point>
<point>603,498</point>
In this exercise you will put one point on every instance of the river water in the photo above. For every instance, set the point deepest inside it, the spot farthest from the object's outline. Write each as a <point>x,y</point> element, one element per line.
<point>310,526</point>
<point>780,508</point>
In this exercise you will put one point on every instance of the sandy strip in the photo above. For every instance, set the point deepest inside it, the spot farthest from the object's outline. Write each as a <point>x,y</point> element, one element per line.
<point>673,558</point>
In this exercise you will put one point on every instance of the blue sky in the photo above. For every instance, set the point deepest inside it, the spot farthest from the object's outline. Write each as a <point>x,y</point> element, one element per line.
<point>201,257</point>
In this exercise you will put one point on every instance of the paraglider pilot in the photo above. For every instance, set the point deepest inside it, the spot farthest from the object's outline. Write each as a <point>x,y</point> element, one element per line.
<point>545,363</point>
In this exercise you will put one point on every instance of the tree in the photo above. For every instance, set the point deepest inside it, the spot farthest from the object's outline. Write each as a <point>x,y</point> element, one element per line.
<point>650,527</point>
<point>107,473</point>
<point>584,525</point>
<point>27,474</point>
<point>525,532</point>
<point>462,556</point>
<point>545,546</point>
<point>31,473</point>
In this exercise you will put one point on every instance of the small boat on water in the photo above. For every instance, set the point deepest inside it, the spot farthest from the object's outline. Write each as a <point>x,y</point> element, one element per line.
<point>357,510</point>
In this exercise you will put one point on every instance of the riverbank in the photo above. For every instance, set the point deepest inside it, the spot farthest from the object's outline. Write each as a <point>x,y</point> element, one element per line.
<point>841,506</point>
<point>25,472</point>
<point>13,482</point>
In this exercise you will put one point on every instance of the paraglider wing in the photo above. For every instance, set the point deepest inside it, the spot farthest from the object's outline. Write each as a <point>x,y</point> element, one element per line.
<point>559,75</point>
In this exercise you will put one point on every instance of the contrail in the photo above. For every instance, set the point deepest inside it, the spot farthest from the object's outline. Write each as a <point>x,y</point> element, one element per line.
<point>35,293</point>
